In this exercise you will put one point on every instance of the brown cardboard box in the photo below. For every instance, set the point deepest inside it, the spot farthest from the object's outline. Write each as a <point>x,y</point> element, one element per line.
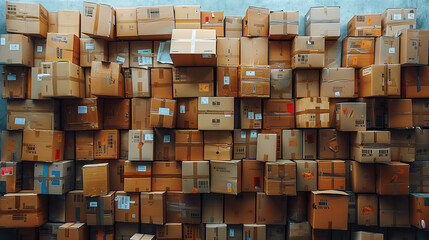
<point>126,23</point>
<point>218,145</point>
<point>312,112</point>
<point>279,54</point>
<point>225,177</point>
<point>166,176</point>
<point>17,50</point>
<point>216,232</point>
<point>422,139</point>
<point>127,207</point>
<point>283,25</point>
<point>62,47</point>
<point>364,25</point>
<point>87,76</point>
<point>375,111</point>
<point>403,145</point>
<point>233,26</point>
<point>107,79</point>
<point>338,82</point>
<point>52,22</point>
<point>306,175</point>
<point>106,144</point>
<point>245,143</point>
<point>155,22</point>
<point>169,231</point>
<point>72,231</point>
<point>256,21</point>
<point>227,81</point>
<point>414,47</point>
<point>26,18</point>
<point>215,113</point>
<point>190,143</point>
<point>254,81</point>
<point>292,144</point>
<point>392,178</point>
<point>11,177</point>
<point>399,113</point>
<point>100,232</point>
<point>193,231</point>
<point>140,112</point>
<point>296,231</point>
<point>98,20</point>
<point>187,17</point>
<point>69,145</point>
<point>259,54</point>
<point>203,53</point>
<point>394,211</point>
<point>240,209</point>
<point>252,176</point>
<point>278,114</point>
<point>386,50</point>
<point>212,208</point>
<point>333,144</point>
<point>309,144</point>
<point>358,52</point>
<point>254,231</point>
<point>137,176</point>
<point>116,174</point>
<point>415,82</point>
<point>306,83</point>
<point>323,21</point>
<point>152,207</point>
<point>89,114</point>
<point>161,83</point>
<point>418,210</point>
<point>238,231</point>
<point>280,178</point>
<point>75,206</point>
<point>360,235</point>
<point>331,174</point>
<point>68,22</point>
<point>43,145</point>
<point>330,211</point>
<point>370,146</point>
<point>251,113</point>
<point>39,51</point>
<point>372,80</point>
<point>96,179</point>
<point>228,52</point>
<point>11,146</point>
<point>394,19</point>
<point>29,114</point>
<point>270,209</point>
<point>362,177</point>
<point>184,208</point>
<point>162,113</point>
<point>351,116</point>
<point>281,83</point>
<point>141,145</point>
<point>196,177</point>
<point>213,20</point>
<point>193,82</point>
<point>116,113</point>
<point>308,52</point>
<point>164,144</point>
<point>266,147</point>
<point>119,52</point>
<point>333,54</point>
<point>124,144</point>
<point>14,82</point>
<point>141,54</point>
<point>367,209</point>
<point>278,132</point>
<point>100,210</point>
<point>419,172</point>
<point>92,50</point>
<point>62,79</point>
<point>54,178</point>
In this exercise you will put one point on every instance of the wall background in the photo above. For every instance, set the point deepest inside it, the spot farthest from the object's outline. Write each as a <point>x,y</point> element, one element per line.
<point>238,7</point>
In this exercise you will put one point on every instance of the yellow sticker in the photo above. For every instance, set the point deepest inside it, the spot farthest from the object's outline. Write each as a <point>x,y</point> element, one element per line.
<point>204,87</point>
<point>229,189</point>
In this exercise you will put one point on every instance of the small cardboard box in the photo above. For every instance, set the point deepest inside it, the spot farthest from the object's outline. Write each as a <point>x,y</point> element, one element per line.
<point>308,52</point>
<point>312,112</point>
<point>256,21</point>
<point>330,211</point>
<point>278,132</point>
<point>265,213</point>
<point>292,144</point>
<point>16,50</point>
<point>69,231</point>
<point>127,207</point>
<point>399,113</point>
<point>193,82</point>
<point>116,113</point>
<point>351,116</point>
<point>218,145</point>
<point>392,178</point>
<point>75,206</point>
<point>331,174</point>
<point>35,209</point>
<point>29,114</point>
<point>166,176</point>
<point>283,25</point>
<point>213,20</point>
<point>184,208</point>
<point>254,231</point>
<point>27,18</point>
<point>216,231</point>
<point>43,145</point>
<point>419,212</point>
<point>140,109</point>
<point>126,23</point>
<point>403,18</point>
<point>62,79</point>
<point>187,17</point>
<point>245,143</point>
<point>92,50</point>
<point>212,208</point>
<point>358,52</point>
<point>364,25</point>
<point>370,146</point>
<point>195,177</point>
<point>373,81</point>
<point>306,177</point>
<point>152,207</point>
<point>100,210</point>
<point>14,82</point>
<point>233,26</point>
<point>155,22</point>
<point>141,54</point>
<point>119,52</point>
<point>362,177</point>
<point>266,147</point>
<point>11,146</point>
<point>279,54</point>
<point>259,54</point>
<point>162,113</point>
<point>333,144</point>
<point>141,145</point>
<point>161,83</point>
<point>309,144</point>
<point>375,112</point>
<point>240,209</point>
<point>228,52</point>
<point>39,51</point>
<point>82,114</point>
<point>169,231</point>
<point>323,21</point>
<point>338,82</point>
<point>54,178</point>
<point>306,83</point>
<point>280,178</point>
<point>254,81</point>
<point>403,145</point>
<point>107,79</point>
<point>215,113</point>
<point>411,88</point>
<point>62,47</point>
<point>11,177</point>
<point>137,176</point>
<point>281,83</point>
<point>252,176</point>
<point>106,144</point>
<point>98,20</point>
<point>190,143</point>
<point>414,47</point>
<point>278,114</point>
<point>367,209</point>
<point>225,177</point>
<point>164,144</point>
<point>96,179</point>
<point>251,113</point>
<point>227,82</point>
<point>386,50</point>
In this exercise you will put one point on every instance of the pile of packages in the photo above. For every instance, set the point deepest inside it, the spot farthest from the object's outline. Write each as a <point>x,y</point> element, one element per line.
<point>168,122</point>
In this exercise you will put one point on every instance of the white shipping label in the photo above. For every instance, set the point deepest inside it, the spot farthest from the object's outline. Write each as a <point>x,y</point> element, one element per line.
<point>41,75</point>
<point>410,15</point>
<point>14,47</point>
<point>250,73</point>
<point>19,121</point>
<point>253,134</point>
<point>231,232</point>
<point>366,71</point>
<point>120,59</point>
<point>123,202</point>
<point>225,80</point>
<point>207,56</point>
<point>141,168</point>
<point>145,60</point>
<point>39,49</point>
<point>148,137</point>
<point>397,16</point>
<point>93,204</point>
<point>166,138</point>
<point>338,117</point>
<point>227,115</point>
<point>337,94</point>
<point>82,109</point>
<point>182,109</point>
<point>258,116</point>
<point>89,46</point>
<point>11,77</point>
<point>243,134</point>
<point>250,115</point>
<point>392,50</point>
<point>2,41</point>
<point>164,111</point>
<point>204,100</point>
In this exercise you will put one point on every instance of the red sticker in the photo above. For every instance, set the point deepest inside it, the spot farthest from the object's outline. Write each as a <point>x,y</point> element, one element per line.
<point>290,107</point>
<point>207,19</point>
<point>310,139</point>
<point>6,171</point>
<point>155,84</point>
<point>140,145</point>
<point>57,154</point>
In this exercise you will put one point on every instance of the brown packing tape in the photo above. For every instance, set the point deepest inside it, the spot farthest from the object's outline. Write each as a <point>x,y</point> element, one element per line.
<point>96,19</point>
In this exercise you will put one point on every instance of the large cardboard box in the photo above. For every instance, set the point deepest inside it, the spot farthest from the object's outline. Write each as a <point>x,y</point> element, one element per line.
<point>312,112</point>
<point>106,144</point>
<point>338,82</point>
<point>107,79</point>
<point>100,210</point>
<point>351,116</point>
<point>364,25</point>
<point>419,172</point>
<point>68,21</point>
<point>62,47</point>
<point>225,177</point>
<point>328,209</point>
<point>367,209</point>
<point>419,212</point>
<point>190,144</point>
<point>29,114</point>
<point>414,47</point>
<point>39,51</point>
<point>152,207</point>
<point>245,143</point>
<point>240,209</point>
<point>141,145</point>
<point>281,83</point>
<point>162,113</point>
<point>127,207</point>
<point>394,211</point>
<point>256,22</point>
<point>395,19</point>
<point>358,52</point>
<point>270,209</point>
<point>307,83</point>
<point>137,176</point>
<point>69,231</point>
<point>362,177</point>
<point>278,114</point>
<point>92,50</point>
<point>306,176</point>
<point>187,17</point>
<point>370,146</point>
<point>227,81</point>
<point>82,114</point>
<point>254,81</point>
<point>166,176</point>
<point>403,145</point>
<point>216,231</point>
<point>43,145</point>
<point>54,178</point>
<point>62,79</point>
<point>218,145</point>
<point>164,144</point>
<point>292,144</point>
<point>380,80</point>
<point>233,26</point>
<point>140,109</point>
<point>213,20</point>
<point>26,18</point>
<point>333,144</point>
<point>415,82</point>
<point>11,146</point>
<point>259,54</point>
<point>11,177</point>
<point>23,210</point>
<point>266,147</point>
<point>283,25</point>
<point>323,21</point>
<point>161,83</point>
<point>193,82</point>
<point>193,47</point>
<point>308,52</point>
<point>155,22</point>
<point>16,50</point>
<point>187,115</point>
<point>195,177</point>
<point>116,113</point>
<point>14,82</point>
<point>280,178</point>
<point>98,20</point>
<point>119,52</point>
<point>331,174</point>
<point>169,231</point>
<point>309,144</point>
<point>184,208</point>
<point>141,54</point>
<point>386,50</point>
<point>399,113</point>
<point>215,113</point>
<point>75,206</point>
<point>228,52</point>
<point>392,178</point>
<point>251,113</point>
<point>252,176</point>
<point>333,54</point>
<point>96,179</point>
<point>126,23</point>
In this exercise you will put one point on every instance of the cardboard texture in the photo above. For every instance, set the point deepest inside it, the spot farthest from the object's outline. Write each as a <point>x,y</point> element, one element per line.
<point>100,210</point>
<point>141,145</point>
<point>98,20</point>
<point>414,47</point>
<point>266,147</point>
<point>43,145</point>
<point>228,52</point>
<point>183,208</point>
<point>216,231</point>
<point>394,211</point>
<point>14,82</point>
<point>155,22</point>
<point>259,55</point>
<point>227,81</point>
<point>54,178</point>
<point>370,146</point>
<point>11,146</point>
<point>29,114</point>
<point>92,50</point>
<point>190,143</point>
<point>308,52</point>
<point>137,176</point>
<point>331,174</point>
<point>152,208</point>
<point>307,83</point>
<point>280,178</point>
<point>187,17</point>
<point>225,177</point>
<point>306,175</point>
<point>62,79</point>
<point>213,20</point>
<point>106,144</point>
<point>72,231</point>
<point>140,109</point>
<point>351,116</point>
<point>278,114</point>
<point>367,209</point>
<point>270,209</point>
<point>119,52</point>
<point>358,52</point>
<point>212,208</point>
<point>116,113</point>
<point>127,207</point>
<point>17,50</point>
<point>392,178</point>
<point>162,113</point>
<point>75,206</point>
<point>323,215</point>
<point>141,54</point>
<point>83,114</point>
<point>399,113</point>
<point>240,208</point>
<point>233,26</point>
<point>323,21</point>
<point>403,145</point>
<point>193,82</point>
<point>27,18</point>
<point>362,177</point>
<point>283,25</point>
<point>218,145</point>
<point>95,179</point>
<point>164,144</point>
<point>107,79</point>
<point>380,80</point>
<point>62,47</point>
<point>312,112</point>
<point>364,25</point>
<point>386,50</point>
<point>254,81</point>
<point>292,144</point>
<point>255,23</point>
<point>251,113</point>
<point>281,83</point>
<point>252,176</point>
<point>169,231</point>
<point>333,144</point>
<point>338,82</point>
<point>415,82</point>
<point>187,115</point>
<point>160,83</point>
<point>195,177</point>
<point>166,176</point>
<point>215,113</point>
<point>418,210</point>
<point>34,206</point>
<point>11,177</point>
<point>126,23</point>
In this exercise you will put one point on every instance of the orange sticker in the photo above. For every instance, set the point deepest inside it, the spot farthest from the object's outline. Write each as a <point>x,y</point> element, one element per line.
<point>60,137</point>
<point>333,144</point>
<point>140,145</point>
<point>400,171</point>
<point>355,60</point>
<point>367,210</point>
<point>195,190</point>
<point>104,141</point>
<point>394,178</point>
<point>204,87</point>
<point>344,111</point>
<point>308,175</point>
<point>368,21</point>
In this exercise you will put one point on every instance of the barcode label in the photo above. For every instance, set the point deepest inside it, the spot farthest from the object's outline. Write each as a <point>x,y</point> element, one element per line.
<point>366,153</point>
<point>410,15</point>
<point>39,49</point>
<point>391,50</point>
<point>250,73</point>
<point>2,41</point>
<point>166,138</point>
<point>243,134</point>
<point>89,11</point>
<point>203,184</point>
<point>253,133</point>
<point>182,109</point>
<point>258,116</point>
<point>19,121</point>
<point>250,115</point>
<point>144,60</point>
<point>14,47</point>
<point>164,111</point>
<point>226,80</point>
<point>11,77</point>
<point>204,100</point>
<point>397,16</point>
<point>359,122</point>
<point>82,109</point>
<point>123,202</point>
<point>383,153</point>
<point>148,137</point>
<point>120,59</point>
<point>93,204</point>
<point>231,232</point>
<point>141,168</point>
<point>89,46</point>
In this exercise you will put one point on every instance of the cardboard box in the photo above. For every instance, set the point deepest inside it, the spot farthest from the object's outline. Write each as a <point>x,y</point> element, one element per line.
<point>169,231</point>
<point>75,206</point>
<point>215,113</point>
<point>164,144</point>
<point>251,113</point>
<point>35,209</point>
<point>225,177</point>
<point>216,231</point>
<point>87,77</point>
<point>279,54</point>
<point>364,25</point>
<point>14,82</point>
<point>43,145</point>
<point>395,19</point>
<point>140,109</point>
<point>358,52</point>
<point>338,82</point>
<point>394,211</point>
<point>213,20</point>
<point>187,17</point>
<point>306,83</point>
<point>184,208</point>
<point>418,210</point>
<point>265,213</point>
<point>386,50</point>
<point>152,207</point>
<point>106,144</point>
<point>29,114</point>
<point>278,114</point>
<point>82,114</point>
<point>11,177</point>
<point>306,175</point>
<point>255,23</point>
<point>126,23</point>
<point>372,80</point>
<point>375,111</point>
<point>161,54</point>
<point>54,178</point>
<point>403,145</point>
<point>351,116</point>
<point>367,235</point>
<point>162,113</point>
<point>100,210</point>
<point>98,20</point>
<point>414,47</point>
<point>107,79</point>
<point>62,79</point>
<point>141,54</point>
<point>254,81</point>
<point>141,145</point>
<point>308,52</point>
<point>392,178</point>
<point>26,18</point>
<point>278,132</point>
<point>281,83</point>
<point>96,179</point>
<point>259,55</point>
<point>193,82</point>
<point>119,52</point>
<point>331,174</point>
<point>34,87</point>
<point>292,144</point>
<point>233,26</point>
<point>137,176</point>
<point>62,47</point>
<point>17,50</point>
<point>202,54</point>
<point>411,88</point>
<point>370,146</point>
<point>190,143</point>
<point>266,147</point>
<point>166,176</point>
<point>72,231</point>
<point>399,113</point>
<point>333,54</point>
<point>227,81</point>
<point>11,146</point>
<point>283,25</point>
<point>333,144</point>
<point>362,177</point>
<point>240,209</point>
<point>228,52</point>
<point>218,145</point>
<point>127,207</point>
<point>92,50</point>
<point>195,177</point>
<point>116,113</point>
<point>298,230</point>
<point>367,206</point>
<point>212,208</point>
<point>418,175</point>
<point>280,178</point>
<point>245,143</point>
<point>323,21</point>
<point>324,215</point>
<point>68,22</point>
<point>161,83</point>
<point>252,176</point>
<point>312,112</point>
<point>155,22</point>
<point>254,231</point>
